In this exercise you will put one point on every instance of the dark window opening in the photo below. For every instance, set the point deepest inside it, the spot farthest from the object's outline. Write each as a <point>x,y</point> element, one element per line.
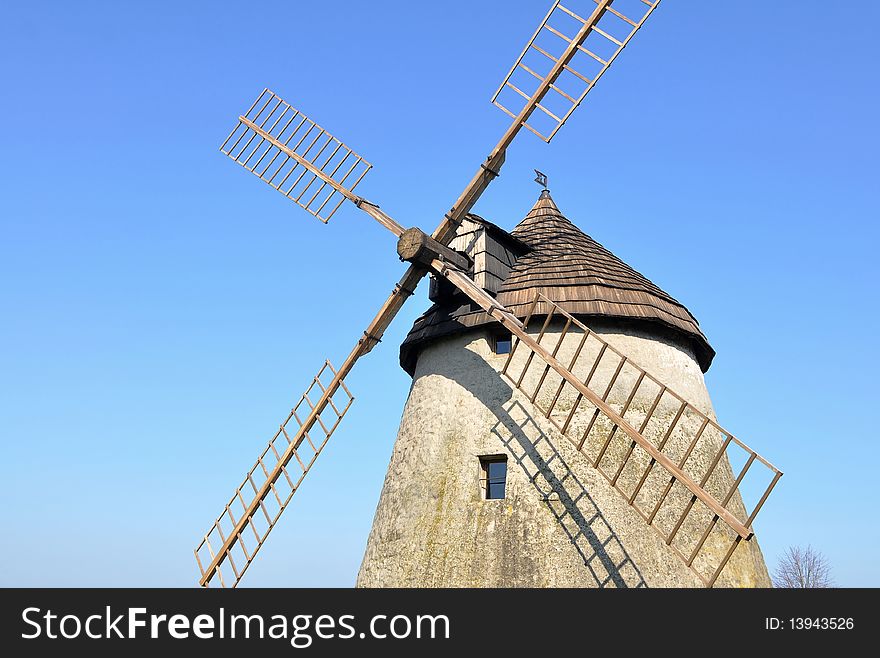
<point>493,476</point>
<point>501,343</point>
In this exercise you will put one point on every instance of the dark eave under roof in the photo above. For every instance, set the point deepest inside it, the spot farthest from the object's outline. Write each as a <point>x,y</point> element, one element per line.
<point>572,270</point>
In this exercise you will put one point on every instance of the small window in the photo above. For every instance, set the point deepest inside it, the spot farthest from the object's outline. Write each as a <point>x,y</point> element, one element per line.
<point>493,476</point>
<point>500,343</point>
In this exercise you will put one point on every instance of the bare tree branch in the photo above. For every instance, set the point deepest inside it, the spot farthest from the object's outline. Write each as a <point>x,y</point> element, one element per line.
<point>803,568</point>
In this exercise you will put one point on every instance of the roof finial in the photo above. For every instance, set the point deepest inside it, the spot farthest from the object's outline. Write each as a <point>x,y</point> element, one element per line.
<point>541,179</point>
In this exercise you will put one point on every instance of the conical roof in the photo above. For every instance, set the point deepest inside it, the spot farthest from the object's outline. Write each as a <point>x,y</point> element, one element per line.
<point>577,273</point>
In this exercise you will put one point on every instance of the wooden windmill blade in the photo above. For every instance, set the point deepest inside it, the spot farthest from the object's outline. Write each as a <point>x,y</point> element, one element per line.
<point>293,154</point>
<point>565,58</point>
<point>683,490</point>
<point>243,526</point>
<point>286,149</point>
<point>656,472</point>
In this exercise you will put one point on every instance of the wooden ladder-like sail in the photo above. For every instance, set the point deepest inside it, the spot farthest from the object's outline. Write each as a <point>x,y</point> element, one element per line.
<point>296,156</point>
<point>667,458</point>
<point>565,58</point>
<point>247,519</point>
<point>673,467</point>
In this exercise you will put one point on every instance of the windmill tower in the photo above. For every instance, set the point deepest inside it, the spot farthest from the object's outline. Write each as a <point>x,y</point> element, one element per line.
<point>534,449</point>
<point>481,491</point>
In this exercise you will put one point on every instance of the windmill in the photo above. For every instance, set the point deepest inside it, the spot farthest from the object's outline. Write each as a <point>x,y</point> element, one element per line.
<point>666,461</point>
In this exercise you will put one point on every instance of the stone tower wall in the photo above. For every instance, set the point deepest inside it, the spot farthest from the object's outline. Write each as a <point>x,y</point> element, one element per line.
<point>561,523</point>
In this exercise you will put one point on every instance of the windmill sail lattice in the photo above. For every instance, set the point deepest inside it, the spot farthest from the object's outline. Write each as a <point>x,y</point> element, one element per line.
<point>565,58</point>
<point>653,462</point>
<point>295,155</point>
<point>661,478</point>
<point>255,507</point>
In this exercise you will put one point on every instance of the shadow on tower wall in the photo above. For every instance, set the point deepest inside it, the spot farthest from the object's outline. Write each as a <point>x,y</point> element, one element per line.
<point>565,496</point>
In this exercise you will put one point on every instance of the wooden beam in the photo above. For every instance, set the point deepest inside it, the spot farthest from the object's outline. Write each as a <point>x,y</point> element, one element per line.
<point>383,218</point>
<point>416,247</point>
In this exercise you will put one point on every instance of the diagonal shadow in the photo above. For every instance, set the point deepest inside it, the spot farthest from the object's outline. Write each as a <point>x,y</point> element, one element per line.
<point>603,554</point>
<point>568,500</point>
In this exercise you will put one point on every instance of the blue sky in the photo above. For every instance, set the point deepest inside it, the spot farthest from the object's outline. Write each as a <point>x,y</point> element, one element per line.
<point>162,309</point>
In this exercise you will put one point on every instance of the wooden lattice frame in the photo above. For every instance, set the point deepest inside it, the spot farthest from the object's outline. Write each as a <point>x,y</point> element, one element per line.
<point>727,508</point>
<point>252,512</point>
<point>624,29</point>
<point>293,154</point>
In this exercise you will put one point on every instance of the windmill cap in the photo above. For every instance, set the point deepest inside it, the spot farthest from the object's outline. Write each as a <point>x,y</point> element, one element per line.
<point>580,275</point>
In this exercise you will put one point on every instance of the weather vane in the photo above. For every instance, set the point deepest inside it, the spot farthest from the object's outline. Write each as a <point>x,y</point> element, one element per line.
<point>541,179</point>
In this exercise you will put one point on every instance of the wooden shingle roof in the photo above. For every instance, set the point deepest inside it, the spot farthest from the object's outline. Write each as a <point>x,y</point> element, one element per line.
<point>574,271</point>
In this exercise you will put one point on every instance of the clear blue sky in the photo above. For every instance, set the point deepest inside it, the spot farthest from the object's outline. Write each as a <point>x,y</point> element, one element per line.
<point>161,308</point>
